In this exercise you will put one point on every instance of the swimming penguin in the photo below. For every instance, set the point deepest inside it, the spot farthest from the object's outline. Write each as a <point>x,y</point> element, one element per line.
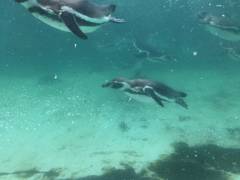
<point>150,53</point>
<point>233,53</point>
<point>157,91</point>
<point>221,26</point>
<point>76,16</point>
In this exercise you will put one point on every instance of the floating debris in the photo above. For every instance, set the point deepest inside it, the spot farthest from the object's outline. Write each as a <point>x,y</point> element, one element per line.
<point>49,79</point>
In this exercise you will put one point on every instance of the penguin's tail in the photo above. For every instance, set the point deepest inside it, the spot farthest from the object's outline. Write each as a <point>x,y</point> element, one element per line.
<point>182,103</point>
<point>182,94</point>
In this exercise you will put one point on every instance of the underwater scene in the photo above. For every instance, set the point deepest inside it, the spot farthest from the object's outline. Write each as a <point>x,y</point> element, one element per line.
<point>120,90</point>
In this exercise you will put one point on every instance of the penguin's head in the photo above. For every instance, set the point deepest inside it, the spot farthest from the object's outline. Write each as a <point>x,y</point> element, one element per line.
<point>117,83</point>
<point>204,17</point>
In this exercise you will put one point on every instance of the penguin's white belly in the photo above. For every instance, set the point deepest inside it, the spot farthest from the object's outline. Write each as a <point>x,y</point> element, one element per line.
<point>140,98</point>
<point>55,24</point>
<point>61,26</point>
<point>147,99</point>
<point>223,34</point>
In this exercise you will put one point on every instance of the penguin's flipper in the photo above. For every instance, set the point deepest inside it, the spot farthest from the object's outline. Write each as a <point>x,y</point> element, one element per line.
<point>182,103</point>
<point>70,22</point>
<point>150,92</point>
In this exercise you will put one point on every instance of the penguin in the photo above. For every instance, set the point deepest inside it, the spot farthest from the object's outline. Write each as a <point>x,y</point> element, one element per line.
<point>233,53</point>
<point>221,26</point>
<point>76,16</point>
<point>150,53</point>
<point>157,91</point>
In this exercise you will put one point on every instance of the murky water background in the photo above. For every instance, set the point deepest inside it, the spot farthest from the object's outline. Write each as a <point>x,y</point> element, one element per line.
<point>70,128</point>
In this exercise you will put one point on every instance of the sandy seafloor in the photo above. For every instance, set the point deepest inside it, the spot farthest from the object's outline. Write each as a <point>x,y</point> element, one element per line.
<point>72,124</point>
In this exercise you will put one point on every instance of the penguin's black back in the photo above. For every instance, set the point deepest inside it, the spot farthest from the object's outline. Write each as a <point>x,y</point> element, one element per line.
<point>167,91</point>
<point>158,87</point>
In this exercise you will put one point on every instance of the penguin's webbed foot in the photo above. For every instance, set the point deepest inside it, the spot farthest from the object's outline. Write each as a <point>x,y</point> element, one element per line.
<point>117,20</point>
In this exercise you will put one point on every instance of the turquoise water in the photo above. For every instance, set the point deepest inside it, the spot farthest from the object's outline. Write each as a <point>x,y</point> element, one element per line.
<point>57,122</point>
